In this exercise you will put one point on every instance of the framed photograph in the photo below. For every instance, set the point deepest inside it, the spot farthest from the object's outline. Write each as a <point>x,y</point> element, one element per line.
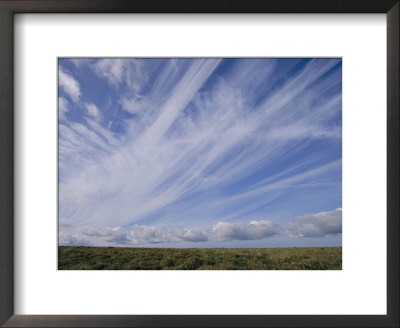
<point>202,164</point>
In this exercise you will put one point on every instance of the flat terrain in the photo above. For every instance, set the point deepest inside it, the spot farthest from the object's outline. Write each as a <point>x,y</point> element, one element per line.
<point>116,258</point>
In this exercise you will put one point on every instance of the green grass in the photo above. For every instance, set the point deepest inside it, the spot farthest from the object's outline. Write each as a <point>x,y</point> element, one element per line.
<point>115,258</point>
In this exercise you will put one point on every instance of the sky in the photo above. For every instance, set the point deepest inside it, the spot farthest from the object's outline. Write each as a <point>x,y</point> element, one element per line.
<point>200,152</point>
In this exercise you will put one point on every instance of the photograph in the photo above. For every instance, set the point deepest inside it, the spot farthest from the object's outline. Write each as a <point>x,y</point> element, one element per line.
<point>199,163</point>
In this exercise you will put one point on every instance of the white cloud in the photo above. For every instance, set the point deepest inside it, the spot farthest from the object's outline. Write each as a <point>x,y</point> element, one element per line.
<point>142,234</point>
<point>315,225</point>
<point>118,71</point>
<point>145,234</point>
<point>63,222</point>
<point>141,160</point>
<point>312,225</point>
<point>302,131</point>
<point>89,136</point>
<point>191,235</point>
<point>179,98</point>
<point>62,108</point>
<point>244,231</point>
<point>79,62</point>
<point>110,69</point>
<point>93,111</point>
<point>133,105</point>
<point>69,239</point>
<point>114,235</point>
<point>69,84</point>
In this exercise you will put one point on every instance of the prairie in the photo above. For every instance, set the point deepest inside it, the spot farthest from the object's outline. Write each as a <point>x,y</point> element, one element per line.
<point>119,258</point>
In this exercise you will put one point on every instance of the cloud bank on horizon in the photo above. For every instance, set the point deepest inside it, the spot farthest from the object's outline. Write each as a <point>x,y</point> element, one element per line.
<point>200,152</point>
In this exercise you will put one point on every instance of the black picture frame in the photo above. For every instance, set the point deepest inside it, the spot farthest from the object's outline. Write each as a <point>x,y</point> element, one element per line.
<point>10,7</point>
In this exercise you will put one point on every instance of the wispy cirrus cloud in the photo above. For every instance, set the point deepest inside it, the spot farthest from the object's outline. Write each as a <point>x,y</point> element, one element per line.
<point>70,85</point>
<point>110,69</point>
<point>133,105</point>
<point>62,108</point>
<point>93,111</point>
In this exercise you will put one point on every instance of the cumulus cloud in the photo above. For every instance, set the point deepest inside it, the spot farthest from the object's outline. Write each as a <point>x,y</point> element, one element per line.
<point>70,239</point>
<point>69,84</point>
<point>113,235</point>
<point>143,234</point>
<point>315,225</point>
<point>93,111</point>
<point>244,231</point>
<point>311,225</point>
<point>191,235</point>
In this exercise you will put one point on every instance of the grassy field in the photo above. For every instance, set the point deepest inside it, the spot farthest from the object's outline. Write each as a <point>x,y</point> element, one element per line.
<point>115,258</point>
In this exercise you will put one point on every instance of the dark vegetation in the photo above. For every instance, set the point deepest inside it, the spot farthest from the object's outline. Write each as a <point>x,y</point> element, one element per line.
<point>115,258</point>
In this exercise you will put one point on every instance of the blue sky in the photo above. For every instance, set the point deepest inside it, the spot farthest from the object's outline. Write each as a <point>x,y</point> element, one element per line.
<point>191,152</point>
